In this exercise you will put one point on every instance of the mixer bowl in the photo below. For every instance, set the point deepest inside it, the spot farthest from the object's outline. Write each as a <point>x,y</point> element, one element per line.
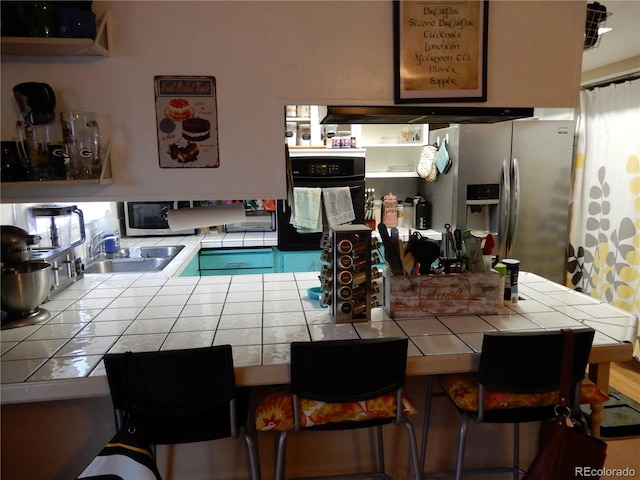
<point>24,287</point>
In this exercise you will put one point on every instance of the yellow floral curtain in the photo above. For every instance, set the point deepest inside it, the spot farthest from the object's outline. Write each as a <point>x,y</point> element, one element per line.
<point>604,250</point>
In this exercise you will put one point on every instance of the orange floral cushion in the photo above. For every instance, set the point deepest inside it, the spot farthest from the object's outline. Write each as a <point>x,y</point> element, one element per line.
<point>462,388</point>
<point>274,410</point>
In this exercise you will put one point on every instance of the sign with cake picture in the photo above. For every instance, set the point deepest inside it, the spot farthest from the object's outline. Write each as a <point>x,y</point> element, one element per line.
<point>187,120</point>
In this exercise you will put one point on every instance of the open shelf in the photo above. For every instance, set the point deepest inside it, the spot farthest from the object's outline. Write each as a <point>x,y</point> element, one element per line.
<point>60,47</point>
<point>105,178</point>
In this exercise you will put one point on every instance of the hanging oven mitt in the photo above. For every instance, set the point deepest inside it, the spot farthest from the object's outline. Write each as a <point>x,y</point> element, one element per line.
<point>427,165</point>
<point>443,162</point>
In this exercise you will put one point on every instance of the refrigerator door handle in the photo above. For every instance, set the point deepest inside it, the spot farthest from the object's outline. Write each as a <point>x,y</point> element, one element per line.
<point>515,203</point>
<point>504,209</point>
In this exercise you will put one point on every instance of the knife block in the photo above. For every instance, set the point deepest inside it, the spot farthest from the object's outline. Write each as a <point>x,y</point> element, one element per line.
<point>347,273</point>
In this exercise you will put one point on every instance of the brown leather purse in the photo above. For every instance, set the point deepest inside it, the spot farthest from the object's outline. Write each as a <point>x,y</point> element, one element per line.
<point>567,450</point>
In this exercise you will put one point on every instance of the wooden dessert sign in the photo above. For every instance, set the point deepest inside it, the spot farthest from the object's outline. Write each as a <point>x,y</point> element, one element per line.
<point>187,121</point>
<point>440,294</point>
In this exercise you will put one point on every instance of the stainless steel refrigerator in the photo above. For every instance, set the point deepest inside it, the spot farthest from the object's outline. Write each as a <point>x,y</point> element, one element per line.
<point>513,179</point>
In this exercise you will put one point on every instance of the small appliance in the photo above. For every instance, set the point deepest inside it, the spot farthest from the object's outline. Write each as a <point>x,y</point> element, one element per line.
<point>142,219</point>
<point>25,282</point>
<point>260,217</point>
<point>60,229</point>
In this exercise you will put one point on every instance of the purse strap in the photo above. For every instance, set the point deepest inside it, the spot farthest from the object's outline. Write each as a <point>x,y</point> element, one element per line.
<point>128,363</point>
<point>568,344</point>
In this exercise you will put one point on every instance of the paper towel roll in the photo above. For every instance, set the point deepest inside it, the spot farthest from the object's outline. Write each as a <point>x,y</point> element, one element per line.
<point>190,218</point>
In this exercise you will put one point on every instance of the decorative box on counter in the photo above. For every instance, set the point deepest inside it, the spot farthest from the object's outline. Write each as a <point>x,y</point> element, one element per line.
<point>441,294</point>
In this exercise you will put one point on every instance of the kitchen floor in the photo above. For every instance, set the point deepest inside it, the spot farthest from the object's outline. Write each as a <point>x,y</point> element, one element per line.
<point>623,452</point>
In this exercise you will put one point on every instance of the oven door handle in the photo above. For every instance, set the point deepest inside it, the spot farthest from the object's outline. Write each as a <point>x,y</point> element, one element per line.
<point>347,178</point>
<point>352,189</point>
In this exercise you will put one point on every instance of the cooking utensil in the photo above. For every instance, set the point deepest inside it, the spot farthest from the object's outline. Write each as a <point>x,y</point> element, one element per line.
<point>395,235</point>
<point>412,242</point>
<point>396,261</point>
<point>427,252</point>
<point>390,250</point>
<point>409,264</point>
<point>457,235</point>
<point>449,244</point>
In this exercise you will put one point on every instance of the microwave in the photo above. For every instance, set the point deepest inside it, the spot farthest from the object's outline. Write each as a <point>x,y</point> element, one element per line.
<point>143,219</point>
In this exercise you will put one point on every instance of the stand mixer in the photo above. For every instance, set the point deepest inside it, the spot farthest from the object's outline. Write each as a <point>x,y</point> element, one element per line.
<point>25,282</point>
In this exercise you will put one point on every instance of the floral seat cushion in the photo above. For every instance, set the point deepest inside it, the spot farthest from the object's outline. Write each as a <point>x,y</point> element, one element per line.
<point>274,410</point>
<point>462,388</point>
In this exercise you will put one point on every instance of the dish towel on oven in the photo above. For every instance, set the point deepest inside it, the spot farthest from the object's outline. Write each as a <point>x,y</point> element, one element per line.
<point>306,212</point>
<point>338,206</point>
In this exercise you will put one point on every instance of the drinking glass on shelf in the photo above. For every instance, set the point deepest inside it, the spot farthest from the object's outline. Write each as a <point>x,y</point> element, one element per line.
<point>81,136</point>
<point>33,147</point>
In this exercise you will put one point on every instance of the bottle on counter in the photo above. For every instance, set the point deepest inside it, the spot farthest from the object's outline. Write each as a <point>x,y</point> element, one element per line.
<point>511,280</point>
<point>409,214</point>
<point>501,268</point>
<point>423,214</point>
<point>400,214</point>
<point>390,210</point>
<point>377,211</point>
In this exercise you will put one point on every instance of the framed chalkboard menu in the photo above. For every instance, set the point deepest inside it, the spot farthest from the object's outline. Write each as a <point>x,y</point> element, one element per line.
<point>440,50</point>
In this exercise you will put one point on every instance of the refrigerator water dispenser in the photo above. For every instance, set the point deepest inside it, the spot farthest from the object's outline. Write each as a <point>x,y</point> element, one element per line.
<point>482,207</point>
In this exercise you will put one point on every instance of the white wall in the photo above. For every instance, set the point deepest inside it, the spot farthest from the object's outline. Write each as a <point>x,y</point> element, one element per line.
<point>98,217</point>
<point>265,54</point>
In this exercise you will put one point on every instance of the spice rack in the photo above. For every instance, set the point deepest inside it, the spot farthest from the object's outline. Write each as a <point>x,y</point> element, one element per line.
<point>347,273</point>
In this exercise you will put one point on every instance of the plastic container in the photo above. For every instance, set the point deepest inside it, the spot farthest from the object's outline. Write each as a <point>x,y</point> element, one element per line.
<point>112,243</point>
<point>304,134</point>
<point>501,268</point>
<point>409,214</point>
<point>377,211</point>
<point>292,110</point>
<point>290,134</point>
<point>511,280</point>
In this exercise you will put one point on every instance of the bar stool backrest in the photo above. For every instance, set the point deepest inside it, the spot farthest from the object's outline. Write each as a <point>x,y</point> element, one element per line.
<point>348,370</point>
<point>529,362</point>
<point>176,396</point>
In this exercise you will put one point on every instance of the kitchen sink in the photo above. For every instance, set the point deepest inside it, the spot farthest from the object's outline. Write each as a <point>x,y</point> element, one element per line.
<point>134,260</point>
<point>153,252</point>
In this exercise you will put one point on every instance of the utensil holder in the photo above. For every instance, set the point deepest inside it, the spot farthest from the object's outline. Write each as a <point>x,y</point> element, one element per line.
<point>441,294</point>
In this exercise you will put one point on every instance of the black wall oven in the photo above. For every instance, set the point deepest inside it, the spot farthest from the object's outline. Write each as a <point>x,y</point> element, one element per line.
<point>321,171</point>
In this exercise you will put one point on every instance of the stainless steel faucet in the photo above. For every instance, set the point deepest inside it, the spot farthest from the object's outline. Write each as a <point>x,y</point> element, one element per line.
<point>93,247</point>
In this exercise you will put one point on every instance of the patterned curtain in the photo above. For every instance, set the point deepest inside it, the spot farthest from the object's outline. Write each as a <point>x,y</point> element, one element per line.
<point>604,249</point>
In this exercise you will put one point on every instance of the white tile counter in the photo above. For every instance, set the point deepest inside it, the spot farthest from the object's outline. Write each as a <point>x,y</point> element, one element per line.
<point>259,315</point>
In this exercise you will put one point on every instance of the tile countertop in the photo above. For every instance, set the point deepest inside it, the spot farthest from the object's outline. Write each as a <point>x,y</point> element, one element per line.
<point>259,315</point>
